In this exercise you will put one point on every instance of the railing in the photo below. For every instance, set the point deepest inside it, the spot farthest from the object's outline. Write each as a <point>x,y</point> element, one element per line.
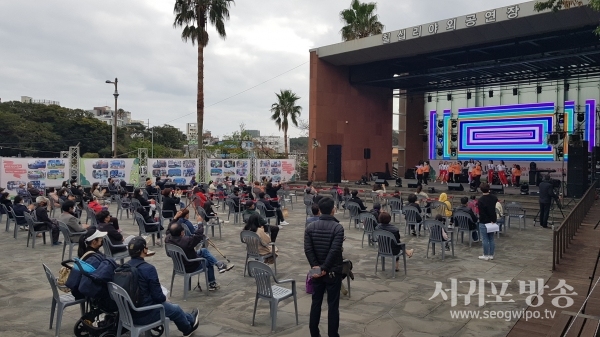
<point>569,226</point>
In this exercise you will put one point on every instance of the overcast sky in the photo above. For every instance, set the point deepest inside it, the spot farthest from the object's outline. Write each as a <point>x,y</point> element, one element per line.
<point>64,50</point>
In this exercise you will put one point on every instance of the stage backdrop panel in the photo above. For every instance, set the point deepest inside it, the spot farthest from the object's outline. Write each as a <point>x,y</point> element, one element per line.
<point>42,172</point>
<point>180,171</point>
<point>92,170</point>
<point>275,169</point>
<point>219,169</point>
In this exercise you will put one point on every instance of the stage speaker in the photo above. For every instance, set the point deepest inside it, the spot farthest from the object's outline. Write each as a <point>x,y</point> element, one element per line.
<point>382,182</point>
<point>455,187</point>
<point>367,153</point>
<point>497,189</point>
<point>410,174</point>
<point>577,166</point>
<point>575,190</point>
<point>413,185</point>
<point>532,173</point>
<point>334,163</point>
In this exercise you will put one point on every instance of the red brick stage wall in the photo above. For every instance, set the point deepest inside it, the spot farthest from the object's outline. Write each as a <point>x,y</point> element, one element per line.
<point>368,110</point>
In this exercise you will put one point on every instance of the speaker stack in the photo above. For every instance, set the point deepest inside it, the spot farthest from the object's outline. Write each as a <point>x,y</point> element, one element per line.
<point>497,189</point>
<point>577,173</point>
<point>455,187</point>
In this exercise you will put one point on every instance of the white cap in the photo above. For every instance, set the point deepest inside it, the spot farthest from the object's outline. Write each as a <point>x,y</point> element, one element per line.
<point>97,234</point>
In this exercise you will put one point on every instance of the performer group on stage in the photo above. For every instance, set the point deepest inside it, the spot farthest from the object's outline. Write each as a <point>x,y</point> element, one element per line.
<point>451,172</point>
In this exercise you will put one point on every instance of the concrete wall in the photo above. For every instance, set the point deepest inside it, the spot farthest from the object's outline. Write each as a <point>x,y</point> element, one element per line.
<point>356,117</point>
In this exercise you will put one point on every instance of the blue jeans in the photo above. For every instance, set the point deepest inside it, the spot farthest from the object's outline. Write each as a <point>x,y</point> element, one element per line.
<point>183,320</point>
<point>489,246</point>
<point>212,261</point>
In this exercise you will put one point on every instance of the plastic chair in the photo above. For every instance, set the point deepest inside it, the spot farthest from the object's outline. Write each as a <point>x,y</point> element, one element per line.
<point>9,219</point>
<point>142,226</point>
<point>14,219</point>
<point>53,207</point>
<point>252,241</point>
<point>369,224</point>
<point>60,301</point>
<point>66,232</point>
<point>125,305</point>
<point>232,209</point>
<point>461,221</point>
<point>411,213</point>
<point>385,242</point>
<point>178,256</point>
<point>354,211</point>
<point>395,208</point>
<point>515,210</point>
<point>438,207</point>
<point>32,233</point>
<point>109,247</point>
<point>208,222</point>
<point>262,209</point>
<point>272,293</point>
<point>435,236</point>
<point>121,206</point>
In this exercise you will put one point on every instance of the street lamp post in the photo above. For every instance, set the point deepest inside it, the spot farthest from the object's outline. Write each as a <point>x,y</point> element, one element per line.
<point>114,126</point>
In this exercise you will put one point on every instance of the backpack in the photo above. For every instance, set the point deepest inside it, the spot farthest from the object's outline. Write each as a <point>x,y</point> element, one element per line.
<point>127,277</point>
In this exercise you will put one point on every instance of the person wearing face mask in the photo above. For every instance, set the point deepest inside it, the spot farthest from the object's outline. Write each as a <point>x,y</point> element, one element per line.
<point>63,194</point>
<point>139,195</point>
<point>41,214</point>
<point>20,209</point>
<point>68,218</point>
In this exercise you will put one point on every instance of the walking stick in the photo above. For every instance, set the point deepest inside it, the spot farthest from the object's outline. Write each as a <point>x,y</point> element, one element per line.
<point>215,247</point>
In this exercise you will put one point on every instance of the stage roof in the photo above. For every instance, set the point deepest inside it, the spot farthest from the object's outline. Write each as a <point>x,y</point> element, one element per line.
<point>512,44</point>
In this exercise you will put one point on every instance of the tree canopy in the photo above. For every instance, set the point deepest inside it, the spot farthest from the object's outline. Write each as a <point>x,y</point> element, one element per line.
<point>557,5</point>
<point>361,21</point>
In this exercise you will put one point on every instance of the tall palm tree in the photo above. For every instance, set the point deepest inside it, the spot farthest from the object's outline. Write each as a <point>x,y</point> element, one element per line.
<point>360,21</point>
<point>193,16</point>
<point>283,110</point>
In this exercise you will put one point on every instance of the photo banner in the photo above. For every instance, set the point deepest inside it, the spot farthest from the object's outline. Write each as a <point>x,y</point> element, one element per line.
<point>275,169</point>
<point>41,172</point>
<point>96,170</point>
<point>219,169</point>
<point>180,171</point>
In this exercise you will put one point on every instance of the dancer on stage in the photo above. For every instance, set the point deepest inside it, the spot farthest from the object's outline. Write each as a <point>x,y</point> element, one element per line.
<point>490,172</point>
<point>457,171</point>
<point>443,172</point>
<point>476,176</point>
<point>471,166</point>
<point>451,172</point>
<point>516,175</point>
<point>420,168</point>
<point>426,169</point>
<point>502,173</point>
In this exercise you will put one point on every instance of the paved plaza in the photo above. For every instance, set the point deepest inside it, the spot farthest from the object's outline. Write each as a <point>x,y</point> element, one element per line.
<point>379,306</point>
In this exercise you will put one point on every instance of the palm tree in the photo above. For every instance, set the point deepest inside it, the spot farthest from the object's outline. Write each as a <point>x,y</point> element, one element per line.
<point>193,16</point>
<point>360,21</point>
<point>282,110</point>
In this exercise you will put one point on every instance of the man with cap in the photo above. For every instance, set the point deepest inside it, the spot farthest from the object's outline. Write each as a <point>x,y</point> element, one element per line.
<point>151,292</point>
<point>41,214</point>
<point>250,210</point>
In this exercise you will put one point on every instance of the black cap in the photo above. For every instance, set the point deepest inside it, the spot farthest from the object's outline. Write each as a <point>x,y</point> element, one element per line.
<point>136,245</point>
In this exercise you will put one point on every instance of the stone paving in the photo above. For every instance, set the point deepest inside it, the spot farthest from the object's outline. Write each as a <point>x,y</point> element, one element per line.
<point>380,305</point>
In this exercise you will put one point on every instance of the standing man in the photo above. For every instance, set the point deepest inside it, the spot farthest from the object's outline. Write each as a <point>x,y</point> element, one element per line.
<point>323,241</point>
<point>487,215</point>
<point>546,196</point>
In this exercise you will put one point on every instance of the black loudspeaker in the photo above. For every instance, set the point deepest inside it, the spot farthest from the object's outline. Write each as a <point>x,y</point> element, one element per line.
<point>413,185</point>
<point>455,187</point>
<point>575,190</point>
<point>497,189</point>
<point>410,174</point>
<point>382,182</point>
<point>532,173</point>
<point>334,163</point>
<point>367,153</point>
<point>577,166</point>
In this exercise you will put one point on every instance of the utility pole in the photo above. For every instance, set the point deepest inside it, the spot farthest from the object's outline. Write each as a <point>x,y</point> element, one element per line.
<point>114,126</point>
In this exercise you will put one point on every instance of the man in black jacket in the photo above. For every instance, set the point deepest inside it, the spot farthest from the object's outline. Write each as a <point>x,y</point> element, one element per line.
<point>151,292</point>
<point>323,241</point>
<point>271,211</point>
<point>473,218</point>
<point>546,196</point>
<point>41,214</point>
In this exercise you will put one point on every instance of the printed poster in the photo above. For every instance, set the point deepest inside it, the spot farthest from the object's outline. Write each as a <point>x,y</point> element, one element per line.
<point>92,170</point>
<point>41,172</point>
<point>278,170</point>
<point>180,171</point>
<point>219,169</point>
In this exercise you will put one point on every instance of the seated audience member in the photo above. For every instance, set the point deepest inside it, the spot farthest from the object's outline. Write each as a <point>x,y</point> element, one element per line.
<point>271,211</point>
<point>464,207</point>
<point>139,196</point>
<point>201,198</point>
<point>5,200</point>
<point>314,208</point>
<point>376,210</point>
<point>256,189</point>
<point>151,223</point>
<point>151,188</point>
<point>151,293</point>
<point>236,199</point>
<point>53,195</point>
<point>33,191</point>
<point>357,200</point>
<point>444,234</point>
<point>22,192</point>
<point>94,205</point>
<point>397,194</point>
<point>20,209</point>
<point>212,188</point>
<point>68,218</point>
<point>412,201</point>
<point>63,194</point>
<point>104,225</point>
<point>384,224</point>
<point>183,217</point>
<point>99,193</point>
<point>309,188</point>
<point>254,225</point>
<point>448,211</point>
<point>176,236</point>
<point>271,191</point>
<point>41,215</point>
<point>499,214</point>
<point>473,204</point>
<point>170,201</point>
<point>379,189</point>
<point>251,210</point>
<point>76,190</point>
<point>338,191</point>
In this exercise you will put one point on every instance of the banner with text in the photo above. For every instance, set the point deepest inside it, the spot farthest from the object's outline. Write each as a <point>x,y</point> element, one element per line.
<point>275,169</point>
<point>180,171</point>
<point>219,169</point>
<point>41,172</point>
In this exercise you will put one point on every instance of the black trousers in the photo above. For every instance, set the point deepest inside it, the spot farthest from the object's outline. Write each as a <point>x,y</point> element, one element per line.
<point>544,213</point>
<point>332,285</point>
<point>274,231</point>
<point>54,230</point>
<point>451,177</point>
<point>425,177</point>
<point>419,179</point>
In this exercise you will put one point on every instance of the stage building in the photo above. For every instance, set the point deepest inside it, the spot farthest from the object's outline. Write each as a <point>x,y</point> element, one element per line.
<point>488,85</point>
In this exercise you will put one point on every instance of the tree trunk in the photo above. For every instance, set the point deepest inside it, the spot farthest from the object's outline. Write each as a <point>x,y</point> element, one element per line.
<point>200,97</point>
<point>285,142</point>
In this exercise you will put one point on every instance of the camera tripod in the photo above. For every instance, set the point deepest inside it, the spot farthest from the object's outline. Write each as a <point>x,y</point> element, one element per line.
<point>553,205</point>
